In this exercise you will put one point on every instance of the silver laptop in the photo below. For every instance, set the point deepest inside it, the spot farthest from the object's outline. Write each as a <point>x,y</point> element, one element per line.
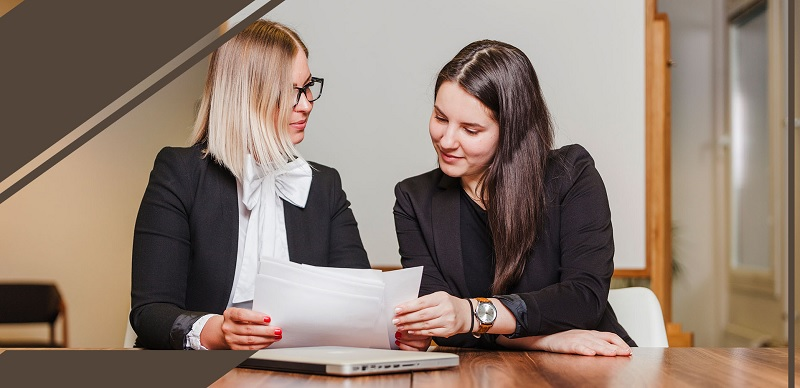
<point>346,361</point>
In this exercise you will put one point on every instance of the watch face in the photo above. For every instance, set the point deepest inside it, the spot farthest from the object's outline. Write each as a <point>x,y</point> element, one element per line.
<point>486,312</point>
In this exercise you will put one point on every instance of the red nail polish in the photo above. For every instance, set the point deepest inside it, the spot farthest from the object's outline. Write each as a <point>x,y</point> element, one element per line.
<point>266,319</point>
<point>397,342</point>
<point>277,337</point>
<point>397,335</point>
<point>278,332</point>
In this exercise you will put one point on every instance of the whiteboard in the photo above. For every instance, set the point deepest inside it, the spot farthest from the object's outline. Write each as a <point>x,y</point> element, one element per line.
<point>380,60</point>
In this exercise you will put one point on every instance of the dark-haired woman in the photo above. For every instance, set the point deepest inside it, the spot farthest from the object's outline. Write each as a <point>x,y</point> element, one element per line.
<point>515,237</point>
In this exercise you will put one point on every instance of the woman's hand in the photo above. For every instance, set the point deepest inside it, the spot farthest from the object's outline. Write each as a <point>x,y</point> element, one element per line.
<point>407,341</point>
<point>239,329</point>
<point>582,342</point>
<point>436,315</point>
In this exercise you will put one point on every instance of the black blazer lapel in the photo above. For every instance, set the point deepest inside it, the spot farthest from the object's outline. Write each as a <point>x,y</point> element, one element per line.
<point>446,222</point>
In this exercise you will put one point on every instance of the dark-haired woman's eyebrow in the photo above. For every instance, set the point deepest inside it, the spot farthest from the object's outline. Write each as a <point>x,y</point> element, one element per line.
<point>439,112</point>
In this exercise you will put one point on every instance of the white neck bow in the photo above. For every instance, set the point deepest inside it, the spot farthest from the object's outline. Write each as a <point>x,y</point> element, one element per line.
<point>291,182</point>
<point>261,194</point>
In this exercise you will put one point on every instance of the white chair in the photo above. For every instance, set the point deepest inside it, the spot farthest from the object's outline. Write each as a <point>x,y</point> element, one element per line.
<point>639,312</point>
<point>130,336</point>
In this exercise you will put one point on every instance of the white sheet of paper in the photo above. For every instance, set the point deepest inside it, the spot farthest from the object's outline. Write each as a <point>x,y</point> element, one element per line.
<point>318,306</point>
<point>358,274</point>
<point>312,316</point>
<point>328,280</point>
<point>401,286</point>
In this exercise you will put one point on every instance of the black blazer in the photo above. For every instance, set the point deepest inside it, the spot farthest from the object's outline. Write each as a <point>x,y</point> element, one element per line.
<point>186,239</point>
<point>568,272</point>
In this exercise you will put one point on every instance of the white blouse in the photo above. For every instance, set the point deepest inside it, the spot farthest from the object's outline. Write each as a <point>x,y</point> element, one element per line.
<point>262,227</point>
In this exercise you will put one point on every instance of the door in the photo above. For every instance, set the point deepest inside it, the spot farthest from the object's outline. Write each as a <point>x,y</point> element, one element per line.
<point>755,188</point>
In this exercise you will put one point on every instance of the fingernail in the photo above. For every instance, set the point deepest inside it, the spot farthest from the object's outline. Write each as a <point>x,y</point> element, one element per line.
<point>278,332</point>
<point>394,321</point>
<point>278,337</point>
<point>266,319</point>
<point>397,335</point>
<point>397,342</point>
<point>397,310</point>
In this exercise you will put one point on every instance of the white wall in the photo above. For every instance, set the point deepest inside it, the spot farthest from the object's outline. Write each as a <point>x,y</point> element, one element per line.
<point>380,60</point>
<point>74,224</point>
<point>695,100</point>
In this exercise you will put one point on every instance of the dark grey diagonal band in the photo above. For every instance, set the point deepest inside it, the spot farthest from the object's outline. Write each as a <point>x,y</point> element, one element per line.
<point>70,69</point>
<point>117,368</point>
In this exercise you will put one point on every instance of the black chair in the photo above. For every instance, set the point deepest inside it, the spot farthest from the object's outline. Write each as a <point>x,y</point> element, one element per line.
<point>32,303</point>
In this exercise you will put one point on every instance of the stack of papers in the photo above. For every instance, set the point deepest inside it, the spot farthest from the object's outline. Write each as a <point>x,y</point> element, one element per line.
<point>323,306</point>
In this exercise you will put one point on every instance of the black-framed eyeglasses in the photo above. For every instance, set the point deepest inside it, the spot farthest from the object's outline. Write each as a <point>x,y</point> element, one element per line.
<point>312,90</point>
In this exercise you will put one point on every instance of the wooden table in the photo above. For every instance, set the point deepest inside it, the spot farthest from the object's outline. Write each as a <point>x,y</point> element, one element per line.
<point>648,367</point>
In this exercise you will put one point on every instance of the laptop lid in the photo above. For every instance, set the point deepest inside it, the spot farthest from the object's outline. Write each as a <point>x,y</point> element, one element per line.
<point>347,361</point>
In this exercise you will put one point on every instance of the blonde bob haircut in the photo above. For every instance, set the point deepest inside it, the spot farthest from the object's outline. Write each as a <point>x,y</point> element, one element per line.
<point>248,98</point>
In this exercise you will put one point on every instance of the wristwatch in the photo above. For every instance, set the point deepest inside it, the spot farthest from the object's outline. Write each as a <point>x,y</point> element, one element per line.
<point>486,314</point>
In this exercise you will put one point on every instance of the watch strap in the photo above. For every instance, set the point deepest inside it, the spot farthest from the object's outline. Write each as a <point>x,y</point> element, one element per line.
<point>483,327</point>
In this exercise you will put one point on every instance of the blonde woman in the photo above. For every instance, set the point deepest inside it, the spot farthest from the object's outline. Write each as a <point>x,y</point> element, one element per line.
<point>239,194</point>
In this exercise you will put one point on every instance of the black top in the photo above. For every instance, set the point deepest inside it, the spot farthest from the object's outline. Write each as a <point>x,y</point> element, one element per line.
<point>187,233</point>
<point>568,272</point>
<point>478,252</point>
<point>476,243</point>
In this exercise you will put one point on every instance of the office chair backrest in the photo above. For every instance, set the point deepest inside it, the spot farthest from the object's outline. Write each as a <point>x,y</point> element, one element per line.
<point>32,303</point>
<point>639,312</point>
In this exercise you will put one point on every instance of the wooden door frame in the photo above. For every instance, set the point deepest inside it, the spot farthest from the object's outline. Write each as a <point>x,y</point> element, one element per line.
<point>658,217</point>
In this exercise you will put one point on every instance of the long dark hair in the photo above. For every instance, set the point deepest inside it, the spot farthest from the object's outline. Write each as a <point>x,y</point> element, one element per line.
<point>502,78</point>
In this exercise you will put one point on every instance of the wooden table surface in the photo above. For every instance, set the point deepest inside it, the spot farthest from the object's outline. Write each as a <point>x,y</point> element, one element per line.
<point>647,367</point>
